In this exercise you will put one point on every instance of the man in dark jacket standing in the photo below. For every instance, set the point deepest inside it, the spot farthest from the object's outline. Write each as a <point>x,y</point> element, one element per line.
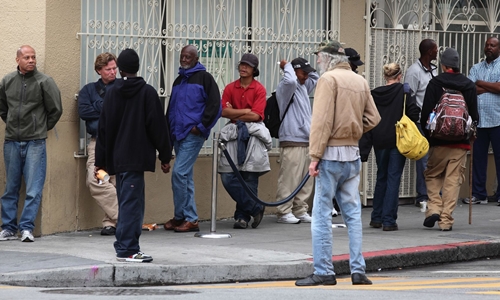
<point>445,167</point>
<point>193,110</point>
<point>30,105</point>
<point>132,127</point>
<point>90,100</point>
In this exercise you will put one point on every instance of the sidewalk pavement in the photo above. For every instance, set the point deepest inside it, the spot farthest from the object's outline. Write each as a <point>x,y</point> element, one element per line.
<point>271,252</point>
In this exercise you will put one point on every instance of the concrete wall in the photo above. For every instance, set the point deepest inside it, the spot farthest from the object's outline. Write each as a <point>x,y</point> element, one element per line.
<point>20,24</point>
<point>353,27</point>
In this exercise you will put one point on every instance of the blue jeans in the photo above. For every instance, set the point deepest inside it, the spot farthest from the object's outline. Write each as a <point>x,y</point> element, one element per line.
<point>480,160</point>
<point>339,180</point>
<point>246,207</point>
<point>26,159</point>
<point>390,165</point>
<point>130,193</point>
<point>421,165</point>
<point>186,152</point>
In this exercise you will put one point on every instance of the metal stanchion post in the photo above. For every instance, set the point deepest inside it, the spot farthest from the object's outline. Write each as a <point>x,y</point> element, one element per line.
<point>213,234</point>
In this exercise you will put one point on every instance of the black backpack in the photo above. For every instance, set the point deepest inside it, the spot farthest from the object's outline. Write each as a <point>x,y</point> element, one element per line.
<point>272,115</point>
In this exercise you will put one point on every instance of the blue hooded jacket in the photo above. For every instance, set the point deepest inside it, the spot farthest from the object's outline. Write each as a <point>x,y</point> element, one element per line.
<point>195,101</point>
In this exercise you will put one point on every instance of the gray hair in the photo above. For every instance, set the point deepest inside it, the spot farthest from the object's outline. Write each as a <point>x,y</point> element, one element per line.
<point>327,61</point>
<point>336,59</point>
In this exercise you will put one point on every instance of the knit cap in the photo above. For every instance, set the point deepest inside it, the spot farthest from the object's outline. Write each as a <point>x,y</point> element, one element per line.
<point>128,61</point>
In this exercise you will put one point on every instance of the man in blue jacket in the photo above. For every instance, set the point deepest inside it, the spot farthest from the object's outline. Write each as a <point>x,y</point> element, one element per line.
<point>194,108</point>
<point>90,100</point>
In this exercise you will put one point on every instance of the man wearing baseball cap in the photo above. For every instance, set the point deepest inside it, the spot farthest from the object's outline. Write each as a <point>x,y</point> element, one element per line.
<point>343,110</point>
<point>354,59</point>
<point>293,91</point>
<point>243,102</point>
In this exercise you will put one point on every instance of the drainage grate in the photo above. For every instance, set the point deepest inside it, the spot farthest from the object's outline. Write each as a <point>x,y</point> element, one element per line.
<point>117,292</point>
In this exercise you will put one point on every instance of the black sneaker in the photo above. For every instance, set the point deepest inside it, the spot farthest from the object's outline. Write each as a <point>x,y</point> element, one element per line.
<point>314,279</point>
<point>138,257</point>
<point>431,220</point>
<point>108,230</point>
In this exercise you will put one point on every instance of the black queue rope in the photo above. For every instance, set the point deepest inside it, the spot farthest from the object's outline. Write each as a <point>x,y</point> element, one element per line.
<point>247,189</point>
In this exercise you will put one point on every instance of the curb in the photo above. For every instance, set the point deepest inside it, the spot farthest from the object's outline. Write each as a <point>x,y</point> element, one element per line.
<point>124,274</point>
<point>420,256</point>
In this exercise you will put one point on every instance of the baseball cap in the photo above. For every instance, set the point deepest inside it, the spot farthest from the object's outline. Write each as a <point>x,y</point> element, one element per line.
<point>332,47</point>
<point>250,60</point>
<point>450,58</point>
<point>301,63</point>
<point>353,56</point>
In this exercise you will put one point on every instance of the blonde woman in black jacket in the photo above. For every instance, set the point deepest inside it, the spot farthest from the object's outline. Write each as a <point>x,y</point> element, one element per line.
<point>390,163</point>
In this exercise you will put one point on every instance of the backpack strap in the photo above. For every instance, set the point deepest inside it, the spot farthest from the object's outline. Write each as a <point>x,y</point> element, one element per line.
<point>288,106</point>
<point>406,90</point>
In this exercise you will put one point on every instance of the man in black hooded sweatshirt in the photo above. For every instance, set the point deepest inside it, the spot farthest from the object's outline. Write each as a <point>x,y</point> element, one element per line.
<point>446,165</point>
<point>132,126</point>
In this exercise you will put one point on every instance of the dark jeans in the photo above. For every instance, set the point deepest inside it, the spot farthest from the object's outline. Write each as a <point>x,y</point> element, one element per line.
<point>246,207</point>
<point>480,160</point>
<point>390,165</point>
<point>130,192</point>
<point>421,165</point>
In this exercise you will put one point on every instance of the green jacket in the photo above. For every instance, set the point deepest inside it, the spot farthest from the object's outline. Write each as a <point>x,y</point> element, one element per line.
<point>30,105</point>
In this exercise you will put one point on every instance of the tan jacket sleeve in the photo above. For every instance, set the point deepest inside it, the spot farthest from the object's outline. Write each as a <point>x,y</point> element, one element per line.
<point>322,117</point>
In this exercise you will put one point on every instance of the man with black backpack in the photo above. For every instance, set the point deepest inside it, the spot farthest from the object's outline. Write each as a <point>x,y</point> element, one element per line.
<point>292,94</point>
<point>448,152</point>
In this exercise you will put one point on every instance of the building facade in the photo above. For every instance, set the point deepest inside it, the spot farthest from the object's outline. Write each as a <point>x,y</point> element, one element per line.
<point>68,35</point>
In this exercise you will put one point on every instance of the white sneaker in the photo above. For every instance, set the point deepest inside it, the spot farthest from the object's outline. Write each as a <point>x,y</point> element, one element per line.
<point>289,218</point>
<point>138,257</point>
<point>305,218</point>
<point>27,236</point>
<point>335,213</point>
<point>6,235</point>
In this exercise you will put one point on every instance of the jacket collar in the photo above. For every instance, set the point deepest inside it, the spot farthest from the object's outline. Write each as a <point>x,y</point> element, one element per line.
<point>342,65</point>
<point>29,74</point>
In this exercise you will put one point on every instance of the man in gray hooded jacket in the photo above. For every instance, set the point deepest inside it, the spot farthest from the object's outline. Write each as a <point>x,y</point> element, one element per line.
<point>293,92</point>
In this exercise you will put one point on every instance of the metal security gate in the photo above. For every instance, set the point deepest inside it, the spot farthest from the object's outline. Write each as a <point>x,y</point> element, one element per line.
<point>223,31</point>
<point>394,31</point>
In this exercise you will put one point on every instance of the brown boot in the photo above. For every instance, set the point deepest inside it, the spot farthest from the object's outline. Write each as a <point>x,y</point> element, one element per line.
<point>172,223</point>
<point>187,226</point>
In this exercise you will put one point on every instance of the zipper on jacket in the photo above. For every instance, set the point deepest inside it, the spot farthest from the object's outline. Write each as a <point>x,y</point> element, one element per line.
<point>34,123</point>
<point>23,96</point>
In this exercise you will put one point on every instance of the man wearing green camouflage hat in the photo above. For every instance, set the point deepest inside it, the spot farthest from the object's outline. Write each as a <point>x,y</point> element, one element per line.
<point>343,110</point>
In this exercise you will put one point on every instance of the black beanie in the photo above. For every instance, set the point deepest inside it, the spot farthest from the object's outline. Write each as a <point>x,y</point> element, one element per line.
<point>128,61</point>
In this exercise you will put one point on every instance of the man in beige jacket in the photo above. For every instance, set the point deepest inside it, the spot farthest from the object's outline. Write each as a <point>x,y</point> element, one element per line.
<point>343,110</point>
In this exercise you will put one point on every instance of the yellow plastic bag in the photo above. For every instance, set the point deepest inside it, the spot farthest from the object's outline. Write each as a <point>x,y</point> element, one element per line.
<point>409,141</point>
